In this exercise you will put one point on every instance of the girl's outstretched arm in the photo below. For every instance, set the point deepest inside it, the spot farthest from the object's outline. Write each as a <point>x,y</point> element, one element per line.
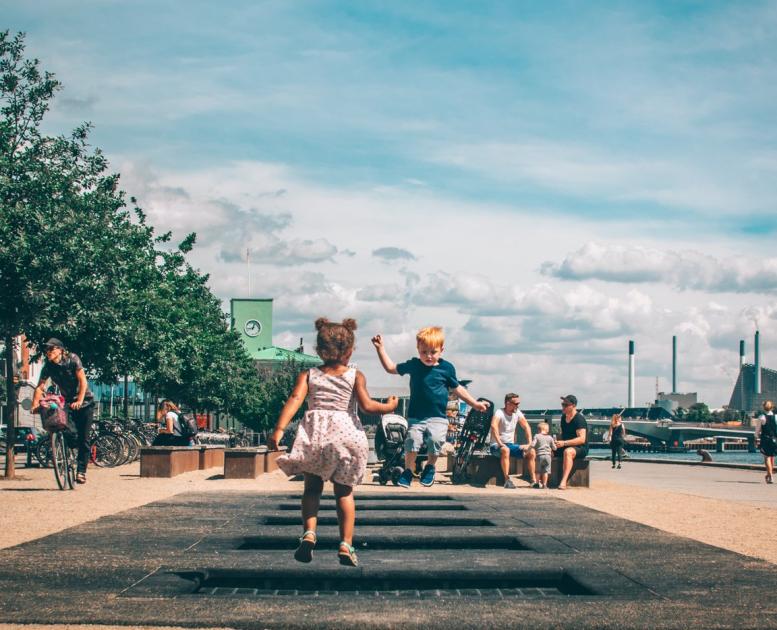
<point>291,407</point>
<point>369,405</point>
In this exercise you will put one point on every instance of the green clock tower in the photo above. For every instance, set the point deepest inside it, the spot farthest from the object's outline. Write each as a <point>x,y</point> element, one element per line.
<point>252,319</point>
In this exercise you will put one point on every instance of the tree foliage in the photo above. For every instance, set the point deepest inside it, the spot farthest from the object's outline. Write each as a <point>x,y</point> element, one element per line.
<point>698,412</point>
<point>79,264</point>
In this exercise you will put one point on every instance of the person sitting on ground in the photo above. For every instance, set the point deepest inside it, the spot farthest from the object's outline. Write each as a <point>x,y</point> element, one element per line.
<point>617,438</point>
<point>766,434</point>
<point>574,437</point>
<point>168,417</point>
<point>543,445</point>
<point>67,372</point>
<point>504,428</point>
<point>431,377</point>
<point>331,443</point>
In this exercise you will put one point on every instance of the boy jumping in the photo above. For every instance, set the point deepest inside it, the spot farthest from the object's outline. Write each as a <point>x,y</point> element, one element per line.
<point>431,377</point>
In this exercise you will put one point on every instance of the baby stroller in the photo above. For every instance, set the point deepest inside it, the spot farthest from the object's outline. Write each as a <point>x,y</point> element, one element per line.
<point>390,447</point>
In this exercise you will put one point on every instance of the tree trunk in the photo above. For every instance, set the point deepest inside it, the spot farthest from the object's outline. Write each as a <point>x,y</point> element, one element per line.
<point>10,410</point>
<point>126,397</point>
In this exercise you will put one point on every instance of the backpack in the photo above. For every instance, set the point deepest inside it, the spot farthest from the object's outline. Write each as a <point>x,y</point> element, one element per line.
<point>187,424</point>
<point>769,433</point>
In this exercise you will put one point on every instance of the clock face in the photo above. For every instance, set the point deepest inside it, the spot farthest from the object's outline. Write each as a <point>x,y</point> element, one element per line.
<point>252,327</point>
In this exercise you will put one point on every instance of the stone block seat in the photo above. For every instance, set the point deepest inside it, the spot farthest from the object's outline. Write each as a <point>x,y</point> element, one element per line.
<point>210,456</point>
<point>580,477</point>
<point>485,470</point>
<point>244,462</point>
<point>250,462</point>
<point>168,461</point>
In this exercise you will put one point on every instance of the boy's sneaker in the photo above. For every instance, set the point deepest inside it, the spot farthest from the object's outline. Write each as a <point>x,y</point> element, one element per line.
<point>536,485</point>
<point>405,479</point>
<point>509,484</point>
<point>427,475</point>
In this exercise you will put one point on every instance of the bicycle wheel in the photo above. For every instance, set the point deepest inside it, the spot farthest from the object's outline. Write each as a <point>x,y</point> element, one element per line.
<point>70,467</point>
<point>59,459</point>
<point>107,450</point>
<point>461,462</point>
<point>43,451</point>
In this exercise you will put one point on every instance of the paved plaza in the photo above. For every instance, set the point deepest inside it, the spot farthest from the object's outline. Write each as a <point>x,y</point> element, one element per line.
<point>436,558</point>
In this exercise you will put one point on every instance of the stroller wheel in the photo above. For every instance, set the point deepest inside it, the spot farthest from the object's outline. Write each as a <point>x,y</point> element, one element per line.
<point>383,477</point>
<point>396,473</point>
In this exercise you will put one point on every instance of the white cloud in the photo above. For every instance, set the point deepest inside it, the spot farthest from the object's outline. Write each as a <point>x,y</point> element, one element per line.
<point>684,270</point>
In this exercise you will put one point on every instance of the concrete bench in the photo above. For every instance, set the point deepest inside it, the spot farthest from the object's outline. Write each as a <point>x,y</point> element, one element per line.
<point>210,456</point>
<point>167,461</point>
<point>244,463</point>
<point>250,462</point>
<point>486,470</point>
<point>580,477</point>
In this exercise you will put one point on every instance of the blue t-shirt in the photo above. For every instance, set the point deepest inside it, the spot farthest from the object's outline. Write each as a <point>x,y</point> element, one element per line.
<point>428,387</point>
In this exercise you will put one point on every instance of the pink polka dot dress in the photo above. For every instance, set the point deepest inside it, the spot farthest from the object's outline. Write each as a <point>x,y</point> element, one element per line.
<point>330,441</point>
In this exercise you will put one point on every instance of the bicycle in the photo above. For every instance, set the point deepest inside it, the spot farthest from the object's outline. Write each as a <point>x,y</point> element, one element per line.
<point>55,421</point>
<point>472,437</point>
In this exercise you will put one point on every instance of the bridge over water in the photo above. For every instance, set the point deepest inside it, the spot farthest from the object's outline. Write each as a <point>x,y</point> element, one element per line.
<point>669,433</point>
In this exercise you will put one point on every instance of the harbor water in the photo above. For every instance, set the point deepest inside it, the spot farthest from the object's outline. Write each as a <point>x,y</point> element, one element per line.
<point>730,457</point>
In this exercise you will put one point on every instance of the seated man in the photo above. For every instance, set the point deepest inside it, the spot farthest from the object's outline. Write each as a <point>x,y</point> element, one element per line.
<point>574,437</point>
<point>503,430</point>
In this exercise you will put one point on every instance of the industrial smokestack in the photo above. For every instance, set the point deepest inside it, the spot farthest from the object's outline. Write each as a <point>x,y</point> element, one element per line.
<point>631,373</point>
<point>674,364</point>
<point>757,379</point>
<point>741,353</point>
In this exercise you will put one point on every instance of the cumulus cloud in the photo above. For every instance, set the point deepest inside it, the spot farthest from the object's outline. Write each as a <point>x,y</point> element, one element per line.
<point>683,270</point>
<point>392,253</point>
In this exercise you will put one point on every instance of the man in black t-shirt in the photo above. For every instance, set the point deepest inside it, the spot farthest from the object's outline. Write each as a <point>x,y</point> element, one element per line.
<point>66,371</point>
<point>574,437</point>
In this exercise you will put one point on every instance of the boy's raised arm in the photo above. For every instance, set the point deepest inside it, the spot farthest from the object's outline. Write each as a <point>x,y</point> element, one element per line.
<point>385,360</point>
<point>462,393</point>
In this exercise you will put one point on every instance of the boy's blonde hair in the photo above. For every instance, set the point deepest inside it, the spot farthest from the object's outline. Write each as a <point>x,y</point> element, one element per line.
<point>431,336</point>
<point>543,426</point>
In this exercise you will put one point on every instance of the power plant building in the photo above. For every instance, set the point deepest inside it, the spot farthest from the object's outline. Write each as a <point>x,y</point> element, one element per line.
<point>746,396</point>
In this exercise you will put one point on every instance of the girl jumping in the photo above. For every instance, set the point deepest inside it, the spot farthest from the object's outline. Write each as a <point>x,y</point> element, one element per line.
<point>330,443</point>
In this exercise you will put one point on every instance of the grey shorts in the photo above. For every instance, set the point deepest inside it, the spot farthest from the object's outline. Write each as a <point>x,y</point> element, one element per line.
<point>543,464</point>
<point>429,431</point>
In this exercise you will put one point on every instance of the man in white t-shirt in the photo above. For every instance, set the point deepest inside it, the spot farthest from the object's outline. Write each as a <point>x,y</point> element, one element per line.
<point>504,425</point>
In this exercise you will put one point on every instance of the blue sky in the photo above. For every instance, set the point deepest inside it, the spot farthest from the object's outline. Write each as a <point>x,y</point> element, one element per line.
<point>546,180</point>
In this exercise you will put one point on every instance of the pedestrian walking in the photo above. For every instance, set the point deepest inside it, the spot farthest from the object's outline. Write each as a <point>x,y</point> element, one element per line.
<point>766,434</point>
<point>617,438</point>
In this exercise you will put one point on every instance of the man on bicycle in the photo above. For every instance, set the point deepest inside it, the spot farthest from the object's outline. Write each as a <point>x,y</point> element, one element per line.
<point>66,371</point>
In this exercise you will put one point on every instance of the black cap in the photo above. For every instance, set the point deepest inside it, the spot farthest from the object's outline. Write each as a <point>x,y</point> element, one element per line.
<point>54,343</point>
<point>570,398</point>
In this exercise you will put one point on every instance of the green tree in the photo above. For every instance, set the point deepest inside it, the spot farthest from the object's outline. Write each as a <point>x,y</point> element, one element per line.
<point>73,259</point>
<point>275,385</point>
<point>698,412</point>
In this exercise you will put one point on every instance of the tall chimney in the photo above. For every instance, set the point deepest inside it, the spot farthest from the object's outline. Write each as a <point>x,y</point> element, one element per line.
<point>674,364</point>
<point>757,379</point>
<point>631,373</point>
<point>741,353</point>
